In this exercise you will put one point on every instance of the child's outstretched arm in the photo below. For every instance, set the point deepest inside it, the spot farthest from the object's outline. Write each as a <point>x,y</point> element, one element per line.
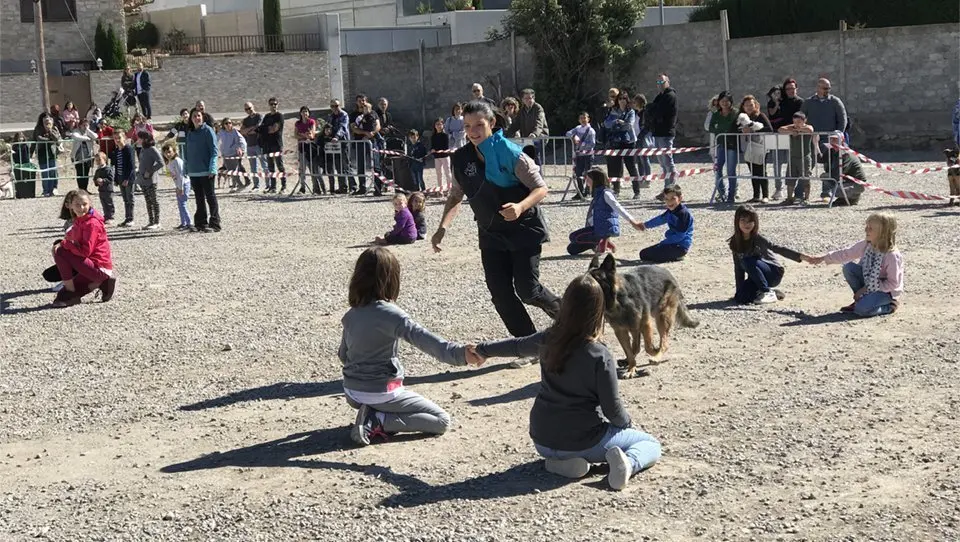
<point>513,347</point>
<point>656,221</point>
<point>843,255</point>
<point>427,342</point>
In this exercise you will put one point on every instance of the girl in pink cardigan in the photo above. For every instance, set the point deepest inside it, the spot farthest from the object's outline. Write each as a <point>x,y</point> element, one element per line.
<point>877,279</point>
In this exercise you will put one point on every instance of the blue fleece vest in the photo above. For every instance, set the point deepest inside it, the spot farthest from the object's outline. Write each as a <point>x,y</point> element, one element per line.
<point>606,221</point>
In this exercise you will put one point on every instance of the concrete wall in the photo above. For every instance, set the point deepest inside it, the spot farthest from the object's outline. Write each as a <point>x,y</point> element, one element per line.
<point>212,6</point>
<point>353,13</point>
<point>224,82</point>
<point>187,18</point>
<point>20,98</point>
<point>899,84</point>
<point>364,41</point>
<point>234,23</point>
<point>448,74</point>
<point>62,42</point>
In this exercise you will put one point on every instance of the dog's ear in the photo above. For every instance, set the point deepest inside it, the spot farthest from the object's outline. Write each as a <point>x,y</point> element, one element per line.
<point>609,264</point>
<point>594,263</point>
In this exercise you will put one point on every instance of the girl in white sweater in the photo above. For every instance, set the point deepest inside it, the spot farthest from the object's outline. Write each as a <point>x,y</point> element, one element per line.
<point>182,182</point>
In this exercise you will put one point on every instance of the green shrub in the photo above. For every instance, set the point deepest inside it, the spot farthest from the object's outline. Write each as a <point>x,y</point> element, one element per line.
<point>175,41</point>
<point>143,34</point>
<point>116,57</point>
<point>272,25</point>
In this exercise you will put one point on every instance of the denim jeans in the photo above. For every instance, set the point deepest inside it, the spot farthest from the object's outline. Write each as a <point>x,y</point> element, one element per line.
<point>729,158</point>
<point>48,179</point>
<point>779,159</point>
<point>761,277</point>
<point>643,162</point>
<point>257,163</point>
<point>871,304</point>
<point>666,160</point>
<point>182,200</point>
<point>642,449</point>
<point>582,240</point>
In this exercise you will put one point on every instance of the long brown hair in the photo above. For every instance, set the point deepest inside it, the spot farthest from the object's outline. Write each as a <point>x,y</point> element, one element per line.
<point>416,202</point>
<point>739,245</point>
<point>579,321</point>
<point>376,277</point>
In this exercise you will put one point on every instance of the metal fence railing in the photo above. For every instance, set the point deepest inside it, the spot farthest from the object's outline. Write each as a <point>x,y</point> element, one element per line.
<point>254,43</point>
<point>797,161</point>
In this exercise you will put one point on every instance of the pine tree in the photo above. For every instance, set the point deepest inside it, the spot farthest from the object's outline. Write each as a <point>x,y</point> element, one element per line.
<point>116,58</point>
<point>272,27</point>
<point>101,43</point>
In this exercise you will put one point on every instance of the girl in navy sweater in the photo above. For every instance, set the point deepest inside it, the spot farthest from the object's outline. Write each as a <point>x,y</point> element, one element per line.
<point>603,217</point>
<point>757,270</point>
<point>578,418</point>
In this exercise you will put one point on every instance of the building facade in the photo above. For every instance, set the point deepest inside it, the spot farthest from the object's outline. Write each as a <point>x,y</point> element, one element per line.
<point>69,27</point>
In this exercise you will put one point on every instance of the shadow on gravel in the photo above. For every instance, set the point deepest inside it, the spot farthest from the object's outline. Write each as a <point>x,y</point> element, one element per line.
<point>6,297</point>
<point>807,319</point>
<point>527,392</point>
<point>523,479</point>
<point>944,214</point>
<point>37,231</point>
<point>305,390</point>
<point>721,304</point>
<point>291,451</point>
<point>119,234</point>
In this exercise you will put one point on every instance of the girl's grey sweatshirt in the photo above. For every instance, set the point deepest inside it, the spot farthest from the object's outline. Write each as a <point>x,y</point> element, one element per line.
<point>370,344</point>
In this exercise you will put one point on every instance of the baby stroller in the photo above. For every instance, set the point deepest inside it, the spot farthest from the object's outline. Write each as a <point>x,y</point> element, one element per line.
<point>120,98</point>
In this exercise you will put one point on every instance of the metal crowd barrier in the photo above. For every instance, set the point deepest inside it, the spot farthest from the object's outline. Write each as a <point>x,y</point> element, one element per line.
<point>792,167</point>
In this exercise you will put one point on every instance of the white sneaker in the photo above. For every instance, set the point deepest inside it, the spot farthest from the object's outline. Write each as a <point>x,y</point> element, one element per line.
<point>766,297</point>
<point>575,467</point>
<point>620,468</point>
<point>154,226</point>
<point>55,192</point>
<point>57,287</point>
<point>777,194</point>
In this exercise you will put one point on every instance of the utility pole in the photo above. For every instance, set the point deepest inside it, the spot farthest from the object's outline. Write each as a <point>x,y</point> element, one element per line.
<point>41,52</point>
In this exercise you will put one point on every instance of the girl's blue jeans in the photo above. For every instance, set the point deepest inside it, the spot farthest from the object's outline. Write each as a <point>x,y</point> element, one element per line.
<point>871,304</point>
<point>182,200</point>
<point>48,179</point>
<point>729,158</point>
<point>642,449</point>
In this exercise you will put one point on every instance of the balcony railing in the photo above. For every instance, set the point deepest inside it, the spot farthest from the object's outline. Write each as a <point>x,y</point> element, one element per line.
<point>245,44</point>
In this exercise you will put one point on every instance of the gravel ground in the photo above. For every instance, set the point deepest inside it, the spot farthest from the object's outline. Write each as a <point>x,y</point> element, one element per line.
<point>204,403</point>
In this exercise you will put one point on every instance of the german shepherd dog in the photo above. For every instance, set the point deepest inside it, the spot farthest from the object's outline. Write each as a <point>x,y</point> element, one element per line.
<point>633,301</point>
<point>953,174</point>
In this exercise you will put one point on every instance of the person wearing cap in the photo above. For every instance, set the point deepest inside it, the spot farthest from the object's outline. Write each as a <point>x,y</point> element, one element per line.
<point>826,113</point>
<point>801,158</point>
<point>723,124</point>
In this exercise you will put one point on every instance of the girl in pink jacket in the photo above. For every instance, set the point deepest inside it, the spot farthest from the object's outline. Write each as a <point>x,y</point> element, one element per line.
<point>877,279</point>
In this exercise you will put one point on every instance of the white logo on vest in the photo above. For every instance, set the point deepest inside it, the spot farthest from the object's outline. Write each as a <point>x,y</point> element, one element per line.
<point>471,169</point>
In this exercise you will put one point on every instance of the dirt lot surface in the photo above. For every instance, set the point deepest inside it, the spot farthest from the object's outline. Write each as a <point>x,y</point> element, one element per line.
<point>204,402</point>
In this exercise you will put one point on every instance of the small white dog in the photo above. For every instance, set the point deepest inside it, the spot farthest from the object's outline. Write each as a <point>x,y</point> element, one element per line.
<point>743,121</point>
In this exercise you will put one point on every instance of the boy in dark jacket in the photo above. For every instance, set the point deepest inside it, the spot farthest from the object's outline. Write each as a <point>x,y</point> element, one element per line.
<point>122,158</point>
<point>679,237</point>
<point>416,152</point>
<point>103,178</point>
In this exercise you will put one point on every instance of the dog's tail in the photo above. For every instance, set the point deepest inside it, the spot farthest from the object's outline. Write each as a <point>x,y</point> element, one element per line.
<point>684,317</point>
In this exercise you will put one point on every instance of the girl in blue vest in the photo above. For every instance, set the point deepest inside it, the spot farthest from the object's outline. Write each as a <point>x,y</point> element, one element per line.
<point>603,217</point>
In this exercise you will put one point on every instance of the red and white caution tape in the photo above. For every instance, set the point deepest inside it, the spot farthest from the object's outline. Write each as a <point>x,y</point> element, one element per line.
<point>867,159</point>
<point>642,152</point>
<point>902,194</point>
<point>662,176</point>
<point>259,175</point>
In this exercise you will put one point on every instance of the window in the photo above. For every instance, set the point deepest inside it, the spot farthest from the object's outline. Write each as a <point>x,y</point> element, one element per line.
<point>54,11</point>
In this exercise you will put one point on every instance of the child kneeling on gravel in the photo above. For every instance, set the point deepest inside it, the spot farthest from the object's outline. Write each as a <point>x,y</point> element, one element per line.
<point>578,377</point>
<point>83,258</point>
<point>372,372</point>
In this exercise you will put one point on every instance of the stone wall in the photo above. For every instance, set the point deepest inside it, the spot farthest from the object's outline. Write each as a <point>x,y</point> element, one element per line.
<point>448,74</point>
<point>62,42</point>
<point>224,82</point>
<point>899,84</point>
<point>20,98</point>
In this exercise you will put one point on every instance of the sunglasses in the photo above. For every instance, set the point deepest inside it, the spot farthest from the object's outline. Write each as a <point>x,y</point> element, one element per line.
<point>274,104</point>
<point>661,81</point>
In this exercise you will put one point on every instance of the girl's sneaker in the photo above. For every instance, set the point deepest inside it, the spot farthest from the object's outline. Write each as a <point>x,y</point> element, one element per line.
<point>366,426</point>
<point>57,287</point>
<point>620,468</point>
<point>767,297</point>
<point>575,467</point>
